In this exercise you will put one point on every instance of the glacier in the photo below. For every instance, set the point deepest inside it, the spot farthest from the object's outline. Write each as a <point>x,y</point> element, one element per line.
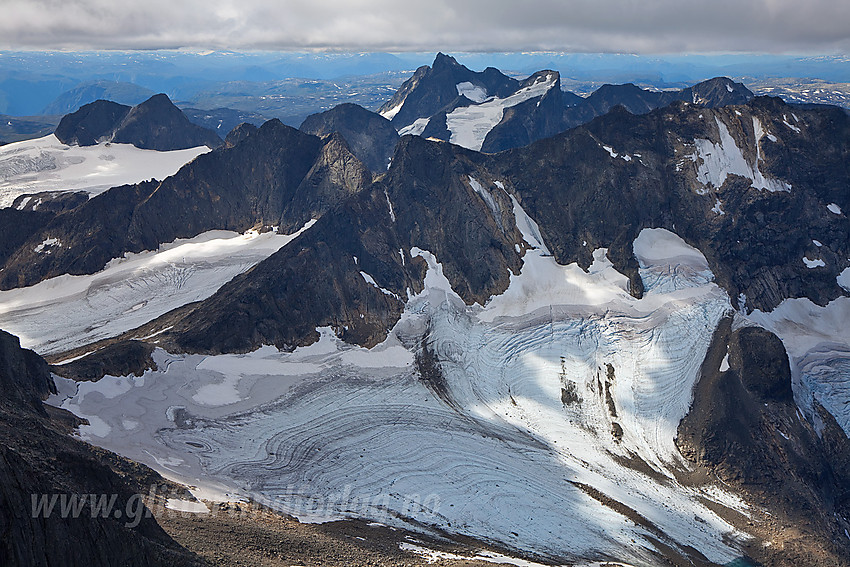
<point>547,425</point>
<point>132,290</point>
<point>46,164</point>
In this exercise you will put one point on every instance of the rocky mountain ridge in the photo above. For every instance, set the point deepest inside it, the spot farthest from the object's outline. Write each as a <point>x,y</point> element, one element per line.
<point>439,93</point>
<point>155,124</point>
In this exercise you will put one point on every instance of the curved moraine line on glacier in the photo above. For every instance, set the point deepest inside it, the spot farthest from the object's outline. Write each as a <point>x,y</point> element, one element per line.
<point>545,394</point>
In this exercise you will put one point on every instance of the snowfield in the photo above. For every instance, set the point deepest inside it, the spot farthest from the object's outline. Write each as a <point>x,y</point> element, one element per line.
<point>46,164</point>
<point>131,290</point>
<point>543,397</point>
<point>470,125</point>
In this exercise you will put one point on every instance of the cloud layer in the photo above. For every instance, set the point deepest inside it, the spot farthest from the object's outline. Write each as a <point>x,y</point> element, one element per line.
<point>647,26</point>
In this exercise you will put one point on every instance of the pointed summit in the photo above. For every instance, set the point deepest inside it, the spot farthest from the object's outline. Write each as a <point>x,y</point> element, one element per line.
<point>155,124</point>
<point>442,61</point>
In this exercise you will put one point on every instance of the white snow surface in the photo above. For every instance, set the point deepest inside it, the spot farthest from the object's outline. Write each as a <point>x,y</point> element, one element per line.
<point>416,128</point>
<point>186,506</point>
<point>132,290</point>
<point>834,209</point>
<point>470,125</point>
<point>332,430</point>
<point>474,93</point>
<point>46,164</point>
<point>715,162</point>
<point>843,279</point>
<point>816,263</point>
<point>390,114</point>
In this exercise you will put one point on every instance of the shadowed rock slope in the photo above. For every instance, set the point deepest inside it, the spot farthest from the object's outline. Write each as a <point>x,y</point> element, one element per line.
<point>427,200</point>
<point>370,136</point>
<point>155,124</point>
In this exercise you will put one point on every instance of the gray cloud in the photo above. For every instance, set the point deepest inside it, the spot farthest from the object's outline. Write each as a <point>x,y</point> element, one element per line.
<point>649,26</point>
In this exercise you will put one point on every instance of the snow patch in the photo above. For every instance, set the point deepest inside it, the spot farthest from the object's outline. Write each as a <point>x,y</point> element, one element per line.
<point>416,128</point>
<point>390,205</point>
<point>843,279</point>
<point>472,92</point>
<point>186,506</point>
<point>489,200</point>
<point>791,126</point>
<point>390,114</point>
<point>370,280</point>
<point>48,243</point>
<point>834,209</point>
<point>818,263</point>
<point>717,161</point>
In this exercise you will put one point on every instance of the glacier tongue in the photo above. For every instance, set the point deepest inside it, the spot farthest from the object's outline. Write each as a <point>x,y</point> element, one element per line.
<point>524,426</point>
<point>46,164</point>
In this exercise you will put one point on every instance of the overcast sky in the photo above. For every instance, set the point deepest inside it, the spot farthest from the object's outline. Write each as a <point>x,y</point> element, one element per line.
<point>631,26</point>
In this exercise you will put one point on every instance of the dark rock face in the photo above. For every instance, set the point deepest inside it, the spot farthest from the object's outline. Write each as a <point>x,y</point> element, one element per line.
<point>276,177</point>
<point>765,372</point>
<point>371,137</point>
<point>37,458</point>
<point>92,123</point>
<point>744,427</point>
<point>426,200</point>
<point>17,226</point>
<point>155,124</point>
<point>24,376</point>
<point>50,201</point>
<point>118,359</point>
<point>432,89</point>
<point>755,247</point>
<point>239,133</point>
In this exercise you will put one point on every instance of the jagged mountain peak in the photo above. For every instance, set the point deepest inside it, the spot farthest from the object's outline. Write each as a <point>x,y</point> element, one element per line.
<point>720,91</point>
<point>155,124</point>
<point>432,89</point>
<point>371,137</point>
<point>442,61</point>
<point>92,123</point>
<point>239,133</point>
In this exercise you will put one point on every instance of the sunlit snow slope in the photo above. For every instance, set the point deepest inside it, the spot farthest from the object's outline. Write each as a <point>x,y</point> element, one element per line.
<point>130,291</point>
<point>470,125</point>
<point>547,429</point>
<point>46,164</point>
